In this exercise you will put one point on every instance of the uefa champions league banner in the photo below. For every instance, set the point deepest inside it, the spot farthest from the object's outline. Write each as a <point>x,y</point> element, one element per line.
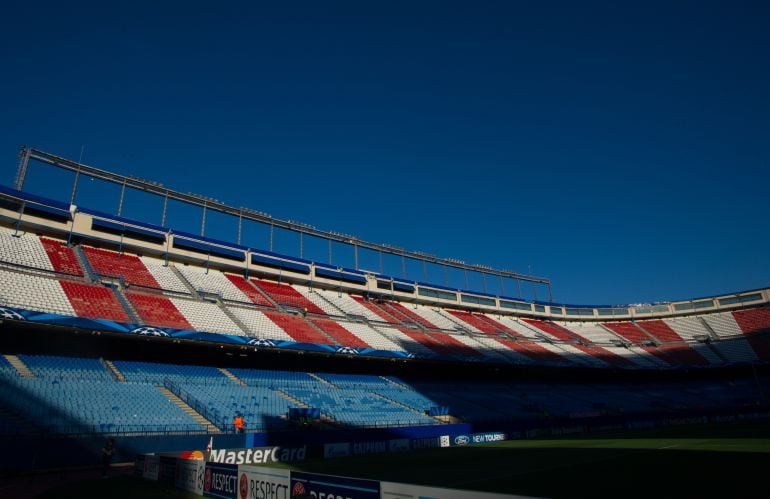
<point>18,314</point>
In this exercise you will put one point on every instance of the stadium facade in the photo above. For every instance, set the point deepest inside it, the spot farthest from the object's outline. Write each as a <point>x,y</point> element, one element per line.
<point>171,334</point>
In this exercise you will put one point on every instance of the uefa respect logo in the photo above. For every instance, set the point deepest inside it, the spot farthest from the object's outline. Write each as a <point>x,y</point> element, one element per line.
<point>298,490</point>
<point>207,480</point>
<point>243,486</point>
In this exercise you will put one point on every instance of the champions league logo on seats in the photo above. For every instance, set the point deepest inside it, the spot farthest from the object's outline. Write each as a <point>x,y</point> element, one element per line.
<point>149,331</point>
<point>261,342</point>
<point>7,313</point>
<point>349,350</point>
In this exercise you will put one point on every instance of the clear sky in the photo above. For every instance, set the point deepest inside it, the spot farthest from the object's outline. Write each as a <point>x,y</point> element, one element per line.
<point>621,149</point>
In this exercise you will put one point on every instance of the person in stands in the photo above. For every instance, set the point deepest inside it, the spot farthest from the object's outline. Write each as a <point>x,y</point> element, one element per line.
<point>238,423</point>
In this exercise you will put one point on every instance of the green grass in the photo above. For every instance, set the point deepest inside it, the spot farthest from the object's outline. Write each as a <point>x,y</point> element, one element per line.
<point>725,461</point>
<point>121,487</point>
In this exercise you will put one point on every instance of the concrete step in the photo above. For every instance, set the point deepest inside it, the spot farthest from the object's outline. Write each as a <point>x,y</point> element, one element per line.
<point>19,365</point>
<point>114,370</point>
<point>232,376</point>
<point>198,417</point>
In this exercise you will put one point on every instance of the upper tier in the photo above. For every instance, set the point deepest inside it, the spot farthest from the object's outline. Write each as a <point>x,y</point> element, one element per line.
<point>44,216</point>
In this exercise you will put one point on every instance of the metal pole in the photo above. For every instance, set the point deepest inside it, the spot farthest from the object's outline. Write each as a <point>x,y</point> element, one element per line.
<point>301,245</point>
<point>18,221</point>
<point>330,251</point>
<point>240,226</point>
<point>425,270</point>
<point>502,286</point>
<point>550,293</point>
<point>466,279</point>
<point>21,171</point>
<point>165,206</point>
<point>272,226</point>
<point>122,194</point>
<point>446,276</point>
<point>403,266</point>
<point>355,255</point>
<point>518,287</point>
<point>380,252</point>
<point>484,282</point>
<point>203,221</point>
<point>75,186</point>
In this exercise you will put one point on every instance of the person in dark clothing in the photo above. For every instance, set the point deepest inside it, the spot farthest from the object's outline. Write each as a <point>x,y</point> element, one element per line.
<point>107,452</point>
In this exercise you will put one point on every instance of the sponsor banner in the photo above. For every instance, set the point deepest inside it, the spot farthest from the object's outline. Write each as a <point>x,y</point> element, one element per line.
<point>151,467</point>
<point>139,465</point>
<point>485,438</point>
<point>536,432</point>
<point>405,491</point>
<point>190,475</point>
<point>337,450</point>
<point>220,480</point>
<point>445,441</point>
<point>428,443</point>
<point>167,469</point>
<point>312,485</point>
<point>461,440</point>
<point>259,482</point>
<point>258,455</point>
<point>360,448</point>
<point>399,445</point>
<point>477,438</point>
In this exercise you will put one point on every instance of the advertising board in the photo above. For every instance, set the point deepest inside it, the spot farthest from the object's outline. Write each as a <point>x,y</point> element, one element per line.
<point>405,491</point>
<point>258,455</point>
<point>221,480</point>
<point>260,482</point>
<point>312,485</point>
<point>340,449</point>
<point>189,475</point>
<point>151,467</point>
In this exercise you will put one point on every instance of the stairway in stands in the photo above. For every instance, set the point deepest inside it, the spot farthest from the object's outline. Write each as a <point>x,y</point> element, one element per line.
<point>88,270</point>
<point>233,318</point>
<point>126,304</point>
<point>210,427</point>
<point>113,369</point>
<point>235,379</point>
<point>19,365</point>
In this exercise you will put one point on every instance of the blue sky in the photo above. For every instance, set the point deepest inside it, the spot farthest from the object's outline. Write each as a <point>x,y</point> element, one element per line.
<point>621,150</point>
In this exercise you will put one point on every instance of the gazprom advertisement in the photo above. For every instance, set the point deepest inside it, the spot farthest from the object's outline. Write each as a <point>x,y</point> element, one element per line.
<point>312,485</point>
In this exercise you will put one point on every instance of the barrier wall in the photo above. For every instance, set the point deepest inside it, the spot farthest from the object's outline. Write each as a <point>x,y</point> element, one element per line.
<point>226,481</point>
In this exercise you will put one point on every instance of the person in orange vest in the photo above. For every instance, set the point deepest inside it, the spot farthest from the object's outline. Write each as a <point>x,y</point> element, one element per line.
<point>238,423</point>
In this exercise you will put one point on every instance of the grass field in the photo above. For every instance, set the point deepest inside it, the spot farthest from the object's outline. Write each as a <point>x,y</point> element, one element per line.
<point>725,461</point>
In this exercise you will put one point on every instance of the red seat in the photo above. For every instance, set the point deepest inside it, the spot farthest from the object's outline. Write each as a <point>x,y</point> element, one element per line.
<point>120,265</point>
<point>62,257</point>
<point>94,302</point>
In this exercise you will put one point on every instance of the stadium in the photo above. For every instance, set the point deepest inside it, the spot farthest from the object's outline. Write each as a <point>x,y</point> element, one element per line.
<point>159,338</point>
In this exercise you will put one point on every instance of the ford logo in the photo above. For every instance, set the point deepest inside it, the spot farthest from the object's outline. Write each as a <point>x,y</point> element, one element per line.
<point>462,440</point>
